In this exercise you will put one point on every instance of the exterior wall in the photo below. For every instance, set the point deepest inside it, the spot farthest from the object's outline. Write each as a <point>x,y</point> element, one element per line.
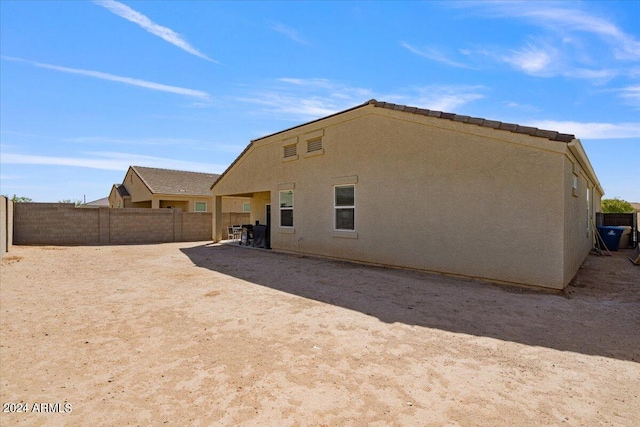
<point>229,219</point>
<point>115,200</point>
<point>234,204</point>
<point>63,224</point>
<point>579,215</point>
<point>137,189</point>
<point>431,194</point>
<point>175,204</point>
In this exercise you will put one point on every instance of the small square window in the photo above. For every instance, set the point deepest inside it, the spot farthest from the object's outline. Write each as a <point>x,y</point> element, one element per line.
<point>200,206</point>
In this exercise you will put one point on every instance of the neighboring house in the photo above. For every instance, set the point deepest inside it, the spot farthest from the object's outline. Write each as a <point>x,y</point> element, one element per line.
<point>96,203</point>
<point>144,187</point>
<point>402,186</point>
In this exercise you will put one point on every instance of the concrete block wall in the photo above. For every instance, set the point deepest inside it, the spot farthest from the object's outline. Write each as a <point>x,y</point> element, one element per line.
<point>197,226</point>
<point>64,224</point>
<point>55,224</point>
<point>6,225</point>
<point>141,225</point>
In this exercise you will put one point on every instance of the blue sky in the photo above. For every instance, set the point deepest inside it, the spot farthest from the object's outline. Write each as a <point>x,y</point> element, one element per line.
<point>89,88</point>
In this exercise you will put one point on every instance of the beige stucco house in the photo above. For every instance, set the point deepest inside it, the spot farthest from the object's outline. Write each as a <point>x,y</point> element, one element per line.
<point>144,187</point>
<point>402,186</point>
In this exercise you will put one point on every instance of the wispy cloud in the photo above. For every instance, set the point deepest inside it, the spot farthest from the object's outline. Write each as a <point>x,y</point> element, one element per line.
<point>565,19</point>
<point>631,94</point>
<point>530,59</point>
<point>203,96</point>
<point>297,99</point>
<point>305,99</point>
<point>448,98</point>
<point>565,40</point>
<point>194,144</point>
<point>288,32</point>
<point>109,161</point>
<point>166,34</point>
<point>433,54</point>
<point>591,130</point>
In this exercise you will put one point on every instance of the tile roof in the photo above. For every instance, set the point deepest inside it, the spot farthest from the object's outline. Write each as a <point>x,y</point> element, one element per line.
<point>100,202</point>
<point>511,127</point>
<point>169,181</point>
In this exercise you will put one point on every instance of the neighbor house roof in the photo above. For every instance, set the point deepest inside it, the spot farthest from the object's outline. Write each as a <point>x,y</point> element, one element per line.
<point>509,127</point>
<point>100,202</point>
<point>122,190</point>
<point>169,181</point>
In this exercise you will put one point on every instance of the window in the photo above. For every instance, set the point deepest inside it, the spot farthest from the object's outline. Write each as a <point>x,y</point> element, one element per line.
<point>314,145</point>
<point>345,207</point>
<point>246,207</point>
<point>200,206</point>
<point>574,188</point>
<point>290,150</point>
<point>286,208</point>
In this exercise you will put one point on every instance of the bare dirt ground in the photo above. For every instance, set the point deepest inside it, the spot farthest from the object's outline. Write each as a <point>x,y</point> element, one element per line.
<point>195,334</point>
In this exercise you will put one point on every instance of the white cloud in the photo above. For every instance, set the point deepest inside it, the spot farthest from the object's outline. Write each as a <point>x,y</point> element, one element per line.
<point>166,34</point>
<point>631,94</point>
<point>110,161</point>
<point>563,19</point>
<point>288,32</point>
<point>447,98</point>
<point>433,54</point>
<point>591,130</point>
<point>298,99</point>
<point>568,41</point>
<point>530,59</point>
<point>112,77</point>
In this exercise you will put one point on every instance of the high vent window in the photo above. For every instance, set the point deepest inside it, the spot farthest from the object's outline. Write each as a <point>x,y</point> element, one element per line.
<point>315,145</point>
<point>290,151</point>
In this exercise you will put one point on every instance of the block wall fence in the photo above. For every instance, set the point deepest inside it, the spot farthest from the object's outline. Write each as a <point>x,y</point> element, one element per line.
<point>64,224</point>
<point>6,225</point>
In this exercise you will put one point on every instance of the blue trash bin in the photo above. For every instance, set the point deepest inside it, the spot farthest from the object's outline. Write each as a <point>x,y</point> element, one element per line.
<point>611,236</point>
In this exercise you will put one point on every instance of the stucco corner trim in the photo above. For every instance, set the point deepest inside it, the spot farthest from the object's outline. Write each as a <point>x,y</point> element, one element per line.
<point>339,180</point>
<point>344,234</point>
<point>287,186</point>
<point>287,230</point>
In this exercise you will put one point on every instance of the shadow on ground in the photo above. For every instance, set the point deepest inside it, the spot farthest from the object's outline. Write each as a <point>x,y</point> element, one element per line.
<point>599,315</point>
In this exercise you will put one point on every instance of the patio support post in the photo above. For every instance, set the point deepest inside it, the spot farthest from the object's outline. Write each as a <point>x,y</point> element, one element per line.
<point>217,218</point>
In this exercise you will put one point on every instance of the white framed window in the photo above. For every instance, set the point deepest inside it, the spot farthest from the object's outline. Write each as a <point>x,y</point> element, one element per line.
<point>344,206</point>
<point>574,187</point>
<point>200,207</point>
<point>286,208</point>
<point>246,207</point>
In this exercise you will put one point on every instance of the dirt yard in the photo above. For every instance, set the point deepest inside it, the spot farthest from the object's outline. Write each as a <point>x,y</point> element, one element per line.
<point>203,335</point>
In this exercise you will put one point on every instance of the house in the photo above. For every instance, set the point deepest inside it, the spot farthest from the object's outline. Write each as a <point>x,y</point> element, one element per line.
<point>96,203</point>
<point>407,187</point>
<point>144,187</point>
